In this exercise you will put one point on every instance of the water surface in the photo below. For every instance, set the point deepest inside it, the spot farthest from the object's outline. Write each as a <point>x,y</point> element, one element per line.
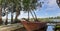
<point>50,28</point>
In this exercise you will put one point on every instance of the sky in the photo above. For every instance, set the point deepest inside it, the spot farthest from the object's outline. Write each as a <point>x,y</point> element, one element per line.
<point>49,9</point>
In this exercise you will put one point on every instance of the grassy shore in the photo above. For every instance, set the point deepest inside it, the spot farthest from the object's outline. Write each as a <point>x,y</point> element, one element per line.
<point>57,28</point>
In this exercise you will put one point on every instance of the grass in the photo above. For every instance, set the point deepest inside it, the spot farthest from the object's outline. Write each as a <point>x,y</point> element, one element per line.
<point>58,28</point>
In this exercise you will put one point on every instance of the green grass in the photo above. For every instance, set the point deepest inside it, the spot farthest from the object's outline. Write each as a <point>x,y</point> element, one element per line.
<point>57,27</point>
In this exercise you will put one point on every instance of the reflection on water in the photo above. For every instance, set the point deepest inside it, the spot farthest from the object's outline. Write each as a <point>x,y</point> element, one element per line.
<point>50,28</point>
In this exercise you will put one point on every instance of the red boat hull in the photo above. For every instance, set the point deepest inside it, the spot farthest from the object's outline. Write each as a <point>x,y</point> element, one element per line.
<point>30,26</point>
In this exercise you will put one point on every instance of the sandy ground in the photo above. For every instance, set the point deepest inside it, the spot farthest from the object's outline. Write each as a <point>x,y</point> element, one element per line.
<point>20,29</point>
<point>10,27</point>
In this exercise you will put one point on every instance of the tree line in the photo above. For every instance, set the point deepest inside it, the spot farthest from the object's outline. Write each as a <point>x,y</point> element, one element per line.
<point>58,17</point>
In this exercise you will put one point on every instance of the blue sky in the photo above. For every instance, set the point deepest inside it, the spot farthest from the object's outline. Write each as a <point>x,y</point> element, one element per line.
<point>49,9</point>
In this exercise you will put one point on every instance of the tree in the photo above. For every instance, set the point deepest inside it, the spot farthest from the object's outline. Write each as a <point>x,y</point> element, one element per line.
<point>14,8</point>
<point>22,5</point>
<point>58,3</point>
<point>30,5</point>
<point>0,11</point>
<point>5,8</point>
<point>0,15</point>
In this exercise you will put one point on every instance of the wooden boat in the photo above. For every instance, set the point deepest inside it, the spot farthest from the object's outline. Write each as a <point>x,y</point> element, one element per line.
<point>31,26</point>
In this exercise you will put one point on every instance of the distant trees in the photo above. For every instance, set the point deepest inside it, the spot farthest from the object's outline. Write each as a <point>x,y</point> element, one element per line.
<point>58,17</point>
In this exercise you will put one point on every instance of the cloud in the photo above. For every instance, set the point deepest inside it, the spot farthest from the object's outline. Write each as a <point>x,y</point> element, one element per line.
<point>58,14</point>
<point>51,2</point>
<point>50,5</point>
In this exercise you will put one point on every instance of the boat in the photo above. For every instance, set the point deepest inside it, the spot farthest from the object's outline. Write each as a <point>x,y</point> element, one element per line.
<point>34,26</point>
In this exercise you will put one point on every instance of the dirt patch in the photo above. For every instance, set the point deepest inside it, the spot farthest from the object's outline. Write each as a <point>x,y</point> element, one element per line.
<point>20,29</point>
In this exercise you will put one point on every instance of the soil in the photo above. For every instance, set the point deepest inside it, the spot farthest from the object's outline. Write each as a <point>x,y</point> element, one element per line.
<point>20,29</point>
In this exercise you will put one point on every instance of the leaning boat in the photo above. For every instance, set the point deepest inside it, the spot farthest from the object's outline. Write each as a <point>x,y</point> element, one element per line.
<point>32,26</point>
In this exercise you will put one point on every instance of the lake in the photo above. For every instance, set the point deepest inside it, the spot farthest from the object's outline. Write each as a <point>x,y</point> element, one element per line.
<point>50,27</point>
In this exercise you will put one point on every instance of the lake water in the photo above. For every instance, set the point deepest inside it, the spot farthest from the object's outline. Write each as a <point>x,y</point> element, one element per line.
<point>50,28</point>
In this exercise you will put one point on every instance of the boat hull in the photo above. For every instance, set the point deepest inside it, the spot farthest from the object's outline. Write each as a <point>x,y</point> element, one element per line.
<point>30,26</point>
